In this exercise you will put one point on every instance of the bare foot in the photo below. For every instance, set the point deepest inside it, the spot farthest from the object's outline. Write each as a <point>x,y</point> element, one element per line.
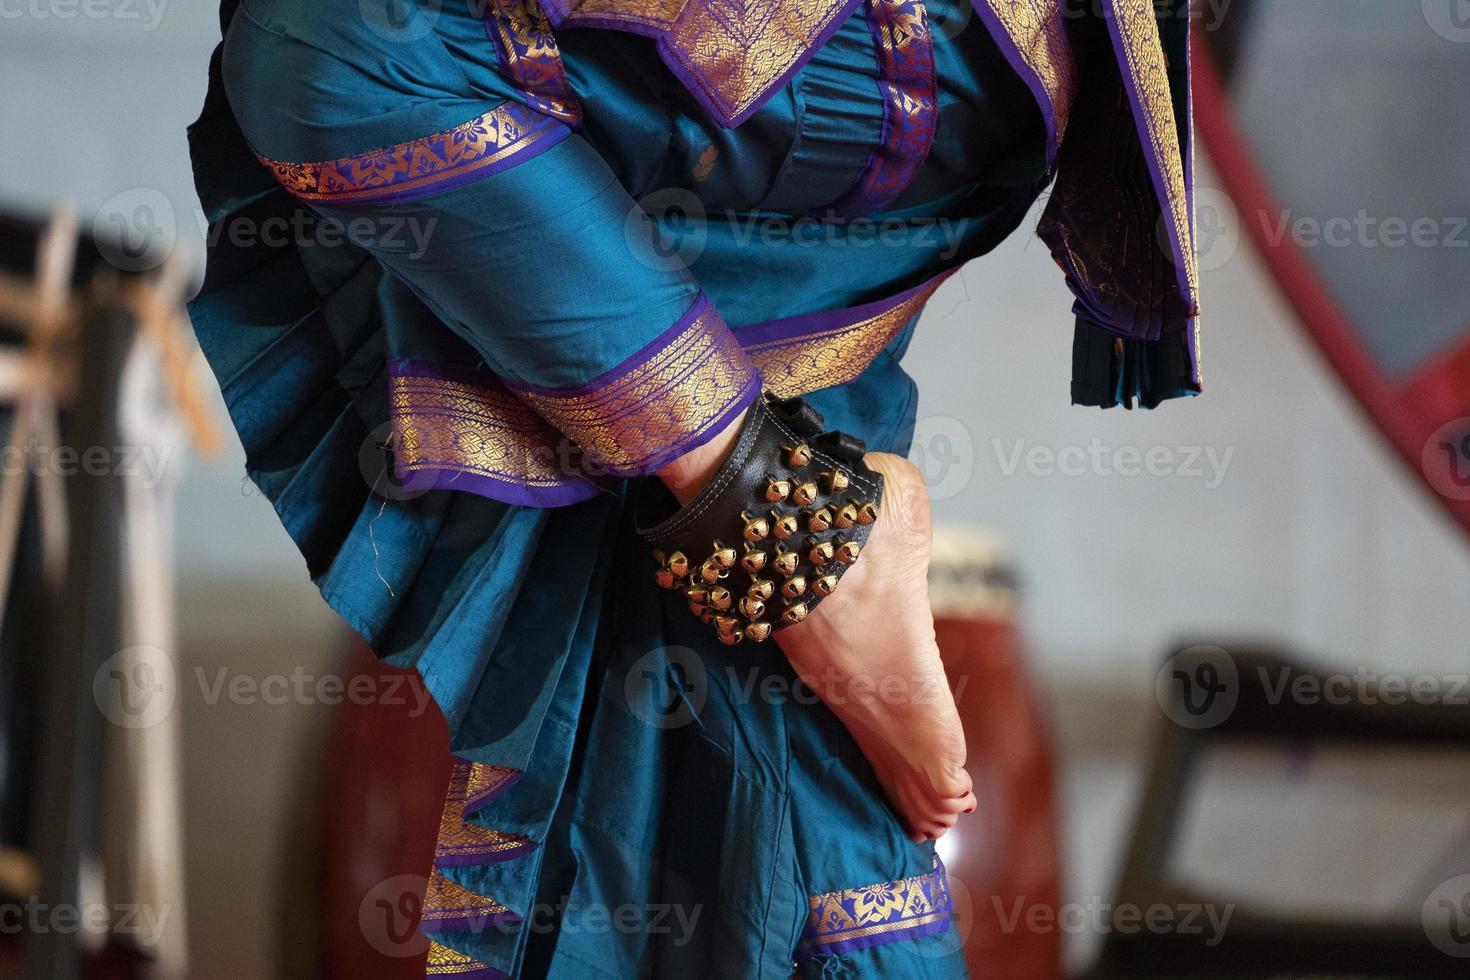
<point>868,651</point>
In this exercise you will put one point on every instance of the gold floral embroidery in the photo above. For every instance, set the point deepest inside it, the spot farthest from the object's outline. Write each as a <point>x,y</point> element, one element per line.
<point>446,901</point>
<point>1143,50</point>
<point>441,424</point>
<point>1038,30</point>
<point>738,51</point>
<point>464,842</point>
<point>445,962</point>
<point>885,912</point>
<point>528,49</point>
<point>484,783</point>
<point>836,356</point>
<point>477,147</point>
<point>683,389</point>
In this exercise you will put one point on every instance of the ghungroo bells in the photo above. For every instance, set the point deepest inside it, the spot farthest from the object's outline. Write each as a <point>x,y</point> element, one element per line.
<point>796,501</point>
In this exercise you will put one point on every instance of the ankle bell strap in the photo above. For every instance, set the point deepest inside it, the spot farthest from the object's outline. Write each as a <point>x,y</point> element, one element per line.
<point>775,529</point>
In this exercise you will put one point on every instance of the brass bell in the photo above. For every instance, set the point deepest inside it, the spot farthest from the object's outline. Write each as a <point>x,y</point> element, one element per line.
<point>726,624</point>
<point>819,520</point>
<point>794,586</point>
<point>761,588</point>
<point>783,525</point>
<point>698,608</point>
<point>679,564</point>
<point>835,481</point>
<point>777,490</point>
<point>723,556</point>
<point>706,615</point>
<point>753,560</point>
<point>665,579</point>
<point>751,607</point>
<point>794,613</point>
<point>847,516</point>
<point>720,598</point>
<point>798,455</point>
<point>756,528</point>
<point>867,512</point>
<point>825,585</point>
<point>733,637</point>
<point>711,573</point>
<point>785,563</point>
<point>758,632</point>
<point>805,494</point>
<point>821,553</point>
<point>697,595</point>
<point>848,551</point>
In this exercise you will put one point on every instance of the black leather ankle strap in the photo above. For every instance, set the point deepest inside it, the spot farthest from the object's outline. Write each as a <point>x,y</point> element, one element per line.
<point>775,529</point>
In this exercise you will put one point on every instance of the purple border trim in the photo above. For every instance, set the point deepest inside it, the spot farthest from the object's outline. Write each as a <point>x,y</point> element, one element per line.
<point>560,13</point>
<point>903,144</point>
<point>632,363</point>
<point>868,942</point>
<point>478,972</point>
<point>474,804</point>
<point>1007,45</point>
<point>940,916</point>
<point>738,403</point>
<point>470,922</point>
<point>1155,165</point>
<point>539,133</point>
<point>575,490</point>
<point>760,336</point>
<point>773,332</point>
<point>481,859</point>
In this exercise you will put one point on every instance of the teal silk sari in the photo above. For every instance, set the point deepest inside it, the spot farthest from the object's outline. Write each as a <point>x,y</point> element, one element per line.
<point>475,267</point>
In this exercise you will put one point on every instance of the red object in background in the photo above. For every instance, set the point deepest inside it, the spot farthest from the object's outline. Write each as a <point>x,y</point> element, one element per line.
<point>1004,860</point>
<point>1426,417</point>
<point>386,773</point>
<point>382,793</point>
